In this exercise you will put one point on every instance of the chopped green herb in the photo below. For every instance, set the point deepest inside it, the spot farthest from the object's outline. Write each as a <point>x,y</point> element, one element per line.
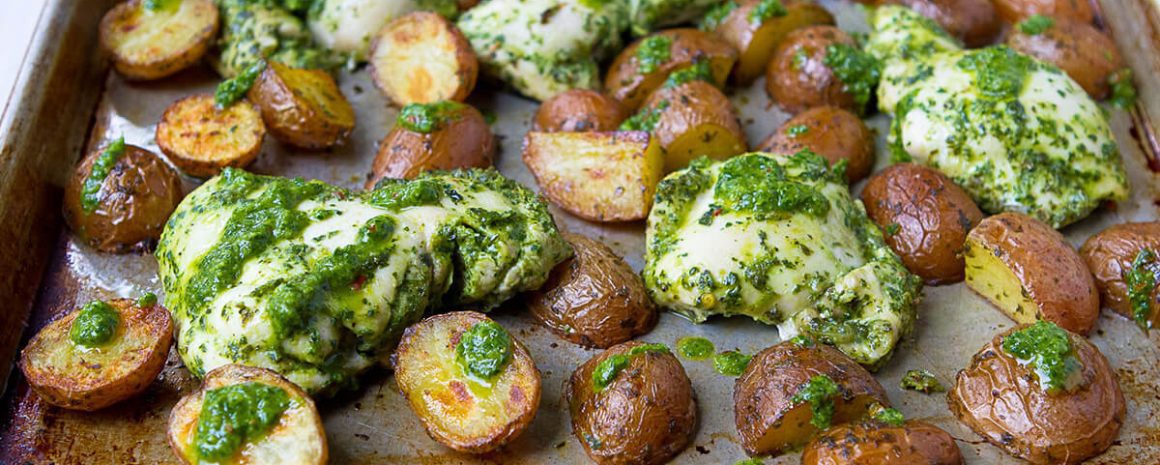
<point>147,299</point>
<point>922,381</point>
<point>858,71</point>
<point>699,71</point>
<point>820,392</point>
<point>731,363</point>
<point>749,461</point>
<point>998,71</point>
<point>154,6</point>
<point>1047,350</point>
<point>887,415</point>
<point>233,415</point>
<point>101,168</point>
<point>95,325</point>
<point>695,348</point>
<point>606,371</point>
<point>892,229</point>
<point>802,340</point>
<point>717,15</point>
<point>653,52</point>
<point>426,118</point>
<point>1123,91</point>
<point>1141,282</point>
<point>646,119</point>
<point>765,10</point>
<point>797,130</point>
<point>483,349</point>
<point>799,58</point>
<point>232,90</point>
<point>1036,24</point>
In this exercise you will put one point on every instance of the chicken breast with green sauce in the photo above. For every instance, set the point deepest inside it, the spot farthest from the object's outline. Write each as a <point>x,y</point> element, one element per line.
<point>317,282</point>
<point>1016,133</point>
<point>779,239</point>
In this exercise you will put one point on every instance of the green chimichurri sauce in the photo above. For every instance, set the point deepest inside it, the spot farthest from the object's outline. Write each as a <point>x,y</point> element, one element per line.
<point>887,415</point>
<point>103,165</point>
<point>765,10</point>
<point>154,6</point>
<point>749,461</point>
<point>1141,282</point>
<point>858,71</point>
<point>484,349</point>
<point>699,71</point>
<point>731,363</point>
<point>232,90</point>
<point>922,381</point>
<point>797,130</point>
<point>760,185</point>
<point>717,15</point>
<point>606,371</point>
<point>999,72</point>
<point>653,52</point>
<point>646,119</point>
<point>95,325</point>
<point>1123,91</point>
<point>802,340</point>
<point>147,299</point>
<point>1047,350</point>
<point>1036,24</point>
<point>695,348</point>
<point>820,392</point>
<point>233,415</point>
<point>426,118</point>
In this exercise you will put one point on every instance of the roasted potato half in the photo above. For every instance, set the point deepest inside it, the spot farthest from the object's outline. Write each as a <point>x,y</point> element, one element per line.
<point>152,40</point>
<point>793,390</point>
<point>1014,11</point>
<point>302,107</point>
<point>422,57</point>
<point>474,387</point>
<point>1001,398</point>
<point>756,36</point>
<point>598,176</point>
<point>692,120</point>
<point>293,434</point>
<point>436,136</point>
<point>974,22</point>
<point>645,64</point>
<point>831,132</point>
<point>876,443</point>
<point>1122,252</point>
<point>819,66</point>
<point>99,354</point>
<point>119,198</point>
<point>632,404</point>
<point>579,110</point>
<point>202,140</point>
<point>594,298</point>
<point>1030,272</point>
<point>1085,53</point>
<point>925,218</point>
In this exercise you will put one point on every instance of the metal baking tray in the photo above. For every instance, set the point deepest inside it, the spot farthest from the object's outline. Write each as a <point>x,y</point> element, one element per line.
<point>70,103</point>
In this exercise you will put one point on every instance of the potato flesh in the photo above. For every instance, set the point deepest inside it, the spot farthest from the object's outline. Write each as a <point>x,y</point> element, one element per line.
<point>146,39</point>
<point>794,428</point>
<point>991,278</point>
<point>317,89</point>
<point>202,140</point>
<point>416,60</point>
<point>708,139</point>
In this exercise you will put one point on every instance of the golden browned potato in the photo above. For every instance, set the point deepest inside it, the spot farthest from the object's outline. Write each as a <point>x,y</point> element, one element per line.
<point>579,110</point>
<point>1014,11</point>
<point>820,65</point>
<point>433,136</point>
<point>691,120</point>
<point>99,354</point>
<point>974,22</point>
<point>831,132</point>
<point>119,198</point>
<point>876,443</point>
<point>154,39</point>
<point>1122,252</point>
<point>598,176</point>
<point>1030,272</point>
<point>203,140</point>
<point>1061,408</point>
<point>1085,53</point>
<point>473,385</point>
<point>925,218</point>
<point>756,30</point>
<point>247,416</point>
<point>302,107</point>
<point>793,390</point>
<point>645,64</point>
<point>632,404</point>
<point>593,299</point>
<point>422,57</point>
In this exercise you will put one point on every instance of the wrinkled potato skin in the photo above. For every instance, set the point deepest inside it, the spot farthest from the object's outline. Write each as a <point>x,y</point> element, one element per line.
<point>933,215</point>
<point>872,443</point>
<point>833,133</point>
<point>579,110</point>
<point>296,120</point>
<point>756,42</point>
<point>646,416</point>
<point>1014,11</point>
<point>1002,401</point>
<point>626,83</point>
<point>1109,254</point>
<point>763,394</point>
<point>465,141</point>
<point>1079,49</point>
<point>593,299</point>
<point>136,199</point>
<point>974,22</point>
<point>698,121</point>
<point>813,84</point>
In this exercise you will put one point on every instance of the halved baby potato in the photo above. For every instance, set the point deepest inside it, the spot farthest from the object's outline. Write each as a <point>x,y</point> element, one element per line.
<point>598,176</point>
<point>757,36</point>
<point>202,140</point>
<point>1085,53</point>
<point>1113,255</point>
<point>831,132</point>
<point>694,119</point>
<point>75,376</point>
<point>433,136</point>
<point>1030,272</point>
<point>1016,10</point>
<point>579,110</point>
<point>458,407</point>
<point>296,436</point>
<point>302,107</point>
<point>422,57</point>
<point>149,42</point>
<point>875,443</point>
<point>645,64</point>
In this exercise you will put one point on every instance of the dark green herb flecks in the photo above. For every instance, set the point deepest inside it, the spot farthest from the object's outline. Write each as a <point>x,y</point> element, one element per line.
<point>695,348</point>
<point>749,461</point>
<point>999,72</point>
<point>154,6</point>
<point>233,415</point>
<point>1047,350</point>
<point>95,325</point>
<point>731,363</point>
<point>234,89</point>
<point>484,349</point>
<point>766,10</point>
<point>1036,24</point>
<point>887,415</point>
<point>653,52</point>
<point>759,185</point>
<point>605,372</point>
<point>699,71</point>
<point>646,119</point>
<point>103,165</point>
<point>820,392</point>
<point>147,299</point>
<point>801,340</point>
<point>426,118</point>
<point>1123,91</point>
<point>922,381</point>
<point>891,229</point>
<point>858,71</point>
<point>797,130</point>
<point>1141,282</point>
<point>717,15</point>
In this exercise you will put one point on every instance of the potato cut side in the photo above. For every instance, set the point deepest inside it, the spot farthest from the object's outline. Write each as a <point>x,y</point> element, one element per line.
<point>987,275</point>
<point>423,58</point>
<point>631,81</point>
<point>302,107</point>
<point>297,438</point>
<point>794,429</point>
<point>203,140</point>
<point>148,44</point>
<point>756,41</point>
<point>598,176</point>
<point>708,140</point>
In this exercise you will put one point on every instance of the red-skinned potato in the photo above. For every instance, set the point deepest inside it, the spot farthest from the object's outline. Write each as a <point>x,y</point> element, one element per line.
<point>974,22</point>
<point>831,132</point>
<point>631,79</point>
<point>1085,53</point>
<point>459,138</point>
<point>1014,11</point>
<point>798,78</point>
<point>1110,255</point>
<point>579,110</point>
<point>756,39</point>
<point>694,119</point>
<point>874,443</point>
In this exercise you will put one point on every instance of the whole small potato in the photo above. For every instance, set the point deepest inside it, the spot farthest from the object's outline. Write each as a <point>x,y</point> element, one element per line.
<point>831,132</point>
<point>798,77</point>
<point>1110,255</point>
<point>925,217</point>
<point>129,207</point>
<point>644,65</point>
<point>1014,11</point>
<point>579,110</point>
<point>646,413</point>
<point>438,136</point>
<point>874,443</point>
<point>1085,53</point>
<point>974,22</point>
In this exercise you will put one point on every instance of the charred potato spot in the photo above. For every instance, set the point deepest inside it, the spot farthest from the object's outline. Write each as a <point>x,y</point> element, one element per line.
<point>646,415</point>
<point>1014,11</point>
<point>593,299</point>
<point>831,132</point>
<point>1085,53</point>
<point>423,58</point>
<point>203,140</point>
<point>579,110</point>
<point>974,22</point>
<point>462,140</point>
<point>630,81</point>
<point>798,77</point>
<point>925,217</point>
<point>757,40</point>
<point>302,107</point>
<point>1110,255</point>
<point>694,119</point>
<point>151,44</point>
<point>72,376</point>
<point>914,442</point>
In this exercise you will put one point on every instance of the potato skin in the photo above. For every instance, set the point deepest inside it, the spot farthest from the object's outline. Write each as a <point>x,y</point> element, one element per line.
<point>411,55</point>
<point>831,132</point>
<point>593,299</point>
<point>302,107</point>
<point>579,110</point>
<point>1085,53</point>
<point>1002,401</point>
<point>756,41</point>
<point>646,416</point>
<point>1014,11</point>
<point>874,443</point>
<point>974,22</point>
<point>626,83</point>
<point>136,199</point>
<point>167,54</point>
<point>697,120</point>
<point>69,378</point>
<point>202,140</point>
<point>812,84</point>
<point>932,214</point>
<point>465,141</point>
<point>1109,254</point>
